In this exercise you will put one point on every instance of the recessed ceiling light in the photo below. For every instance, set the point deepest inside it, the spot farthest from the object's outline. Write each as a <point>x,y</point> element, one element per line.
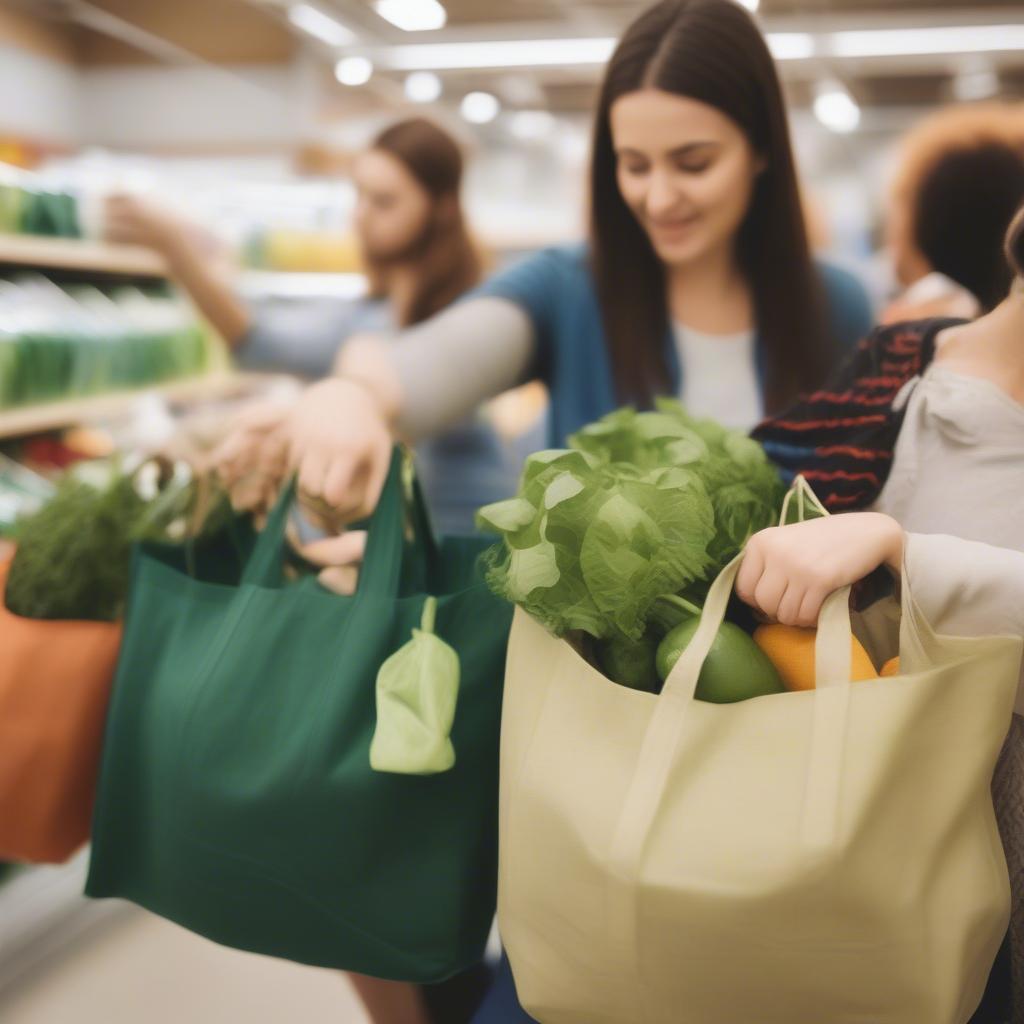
<point>353,70</point>
<point>835,108</point>
<point>412,15</point>
<point>480,107</point>
<point>423,87</point>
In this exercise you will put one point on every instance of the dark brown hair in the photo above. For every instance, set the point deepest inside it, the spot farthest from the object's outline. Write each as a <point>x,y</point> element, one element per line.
<point>711,51</point>
<point>961,213</point>
<point>448,264</point>
<point>955,225</point>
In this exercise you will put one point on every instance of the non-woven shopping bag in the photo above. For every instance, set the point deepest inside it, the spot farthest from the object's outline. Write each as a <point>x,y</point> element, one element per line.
<point>55,681</point>
<point>799,858</point>
<point>237,796</point>
<point>55,678</point>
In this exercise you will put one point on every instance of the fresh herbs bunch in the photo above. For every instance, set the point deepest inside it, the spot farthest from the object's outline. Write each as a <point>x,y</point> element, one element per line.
<point>73,556</point>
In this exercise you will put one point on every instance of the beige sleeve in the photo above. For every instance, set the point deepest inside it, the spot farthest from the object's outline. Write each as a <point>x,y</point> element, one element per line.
<point>968,588</point>
<point>965,587</point>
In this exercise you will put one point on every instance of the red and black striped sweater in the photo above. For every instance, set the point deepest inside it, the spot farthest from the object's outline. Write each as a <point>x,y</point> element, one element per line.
<point>842,438</point>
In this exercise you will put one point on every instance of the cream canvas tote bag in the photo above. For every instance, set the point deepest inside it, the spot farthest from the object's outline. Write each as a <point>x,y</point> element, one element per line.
<point>821,857</point>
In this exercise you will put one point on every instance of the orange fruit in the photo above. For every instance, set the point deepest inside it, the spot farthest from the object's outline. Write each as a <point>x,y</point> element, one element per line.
<point>791,651</point>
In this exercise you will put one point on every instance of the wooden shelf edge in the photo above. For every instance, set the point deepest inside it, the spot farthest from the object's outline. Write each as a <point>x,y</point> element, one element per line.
<point>33,419</point>
<point>81,255</point>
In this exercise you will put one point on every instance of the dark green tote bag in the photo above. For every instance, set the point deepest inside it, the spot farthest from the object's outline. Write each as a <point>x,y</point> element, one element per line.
<point>236,795</point>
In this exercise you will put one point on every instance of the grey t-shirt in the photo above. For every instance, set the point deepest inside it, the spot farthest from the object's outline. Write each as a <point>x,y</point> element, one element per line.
<point>957,471</point>
<point>304,337</point>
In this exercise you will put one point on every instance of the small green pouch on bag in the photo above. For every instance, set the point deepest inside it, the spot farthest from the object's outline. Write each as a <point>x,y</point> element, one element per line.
<point>417,689</point>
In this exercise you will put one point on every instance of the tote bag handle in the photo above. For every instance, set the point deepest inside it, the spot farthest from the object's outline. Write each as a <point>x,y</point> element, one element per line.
<point>386,538</point>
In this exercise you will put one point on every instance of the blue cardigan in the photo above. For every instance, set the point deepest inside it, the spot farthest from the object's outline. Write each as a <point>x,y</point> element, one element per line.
<point>556,289</point>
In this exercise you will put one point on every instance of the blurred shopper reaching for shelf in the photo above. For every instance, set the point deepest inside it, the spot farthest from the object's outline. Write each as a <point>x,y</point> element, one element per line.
<point>419,258</point>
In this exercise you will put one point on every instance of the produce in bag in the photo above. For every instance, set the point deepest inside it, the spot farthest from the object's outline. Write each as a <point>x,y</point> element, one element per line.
<point>735,668</point>
<point>890,668</point>
<point>73,555</point>
<point>791,650</point>
<point>641,506</point>
<point>60,599</point>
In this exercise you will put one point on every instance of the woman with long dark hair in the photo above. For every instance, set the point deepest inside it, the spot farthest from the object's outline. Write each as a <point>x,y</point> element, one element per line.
<point>697,282</point>
<point>421,238</point>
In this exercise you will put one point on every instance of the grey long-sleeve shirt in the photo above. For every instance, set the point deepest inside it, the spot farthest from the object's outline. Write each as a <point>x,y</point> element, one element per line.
<point>464,464</point>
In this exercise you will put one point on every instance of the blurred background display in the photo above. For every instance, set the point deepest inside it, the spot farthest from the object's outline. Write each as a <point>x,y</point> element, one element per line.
<point>182,186</point>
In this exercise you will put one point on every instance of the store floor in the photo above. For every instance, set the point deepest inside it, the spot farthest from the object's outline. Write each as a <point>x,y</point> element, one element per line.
<point>142,970</point>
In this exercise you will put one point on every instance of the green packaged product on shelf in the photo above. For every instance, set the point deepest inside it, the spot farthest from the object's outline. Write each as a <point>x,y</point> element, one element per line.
<point>12,200</point>
<point>81,341</point>
<point>54,214</point>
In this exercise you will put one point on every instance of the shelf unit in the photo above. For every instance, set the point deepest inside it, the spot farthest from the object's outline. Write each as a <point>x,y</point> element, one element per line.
<point>36,419</point>
<point>42,909</point>
<point>104,260</point>
<point>79,255</point>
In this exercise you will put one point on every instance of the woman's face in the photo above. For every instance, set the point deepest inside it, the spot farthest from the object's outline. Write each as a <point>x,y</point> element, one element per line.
<point>685,169</point>
<point>392,207</point>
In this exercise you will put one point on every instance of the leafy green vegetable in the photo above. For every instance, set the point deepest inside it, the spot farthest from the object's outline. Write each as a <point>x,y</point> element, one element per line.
<point>73,556</point>
<point>642,505</point>
<point>603,541</point>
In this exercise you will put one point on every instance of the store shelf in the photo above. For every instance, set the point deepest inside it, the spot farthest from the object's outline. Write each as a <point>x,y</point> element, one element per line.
<point>78,255</point>
<point>55,415</point>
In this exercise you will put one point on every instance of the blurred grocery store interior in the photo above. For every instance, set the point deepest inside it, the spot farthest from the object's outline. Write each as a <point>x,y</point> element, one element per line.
<point>242,120</point>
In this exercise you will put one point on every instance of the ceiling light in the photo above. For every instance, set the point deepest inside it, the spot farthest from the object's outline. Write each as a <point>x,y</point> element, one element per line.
<point>751,5</point>
<point>512,53</point>
<point>784,46</point>
<point>315,23</point>
<point>412,15</point>
<point>791,45</point>
<point>835,108</point>
<point>480,107</point>
<point>896,42</point>
<point>353,70</point>
<point>501,54</point>
<point>422,87</point>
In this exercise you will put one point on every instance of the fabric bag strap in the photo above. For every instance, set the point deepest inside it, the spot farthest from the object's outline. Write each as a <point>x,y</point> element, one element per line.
<point>389,528</point>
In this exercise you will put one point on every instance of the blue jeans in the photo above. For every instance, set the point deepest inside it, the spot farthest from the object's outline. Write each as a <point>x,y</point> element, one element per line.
<point>501,1005</point>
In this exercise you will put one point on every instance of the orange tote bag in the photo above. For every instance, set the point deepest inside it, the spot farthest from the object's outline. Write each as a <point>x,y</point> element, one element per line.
<point>55,679</point>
